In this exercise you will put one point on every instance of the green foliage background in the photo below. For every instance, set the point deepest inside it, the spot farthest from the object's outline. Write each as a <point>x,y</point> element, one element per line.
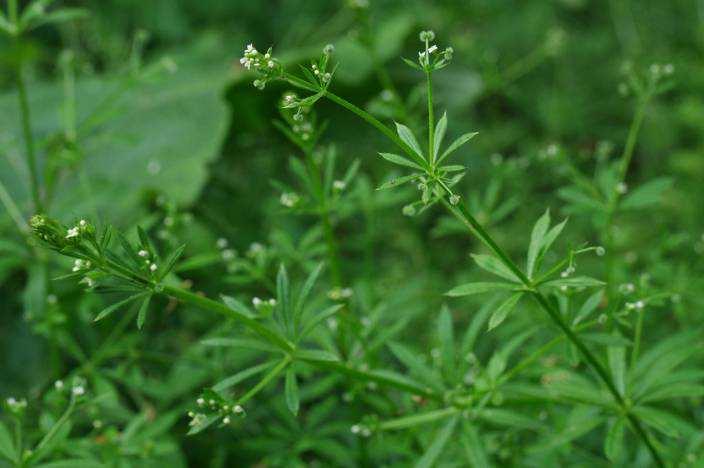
<point>172,129</point>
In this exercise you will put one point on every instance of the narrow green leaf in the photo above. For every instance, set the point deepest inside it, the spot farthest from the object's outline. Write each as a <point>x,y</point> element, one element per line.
<point>613,444</point>
<point>502,312</point>
<point>536,241</point>
<point>305,292</point>
<point>548,240</point>
<point>589,306</point>
<point>508,418</point>
<point>7,446</point>
<point>112,308</point>
<point>397,181</point>
<point>456,145</point>
<point>237,306</point>
<point>318,318</point>
<point>576,282</point>
<point>170,261</point>
<point>142,315</point>
<point>316,355</point>
<point>245,343</point>
<point>408,138</point>
<point>470,289</point>
<point>283,297</point>
<point>293,400</point>
<point>241,376</point>
<point>411,63</point>
<point>433,452</point>
<point>473,446</point>
<point>417,366</point>
<point>447,343</point>
<point>494,265</point>
<point>647,194</point>
<point>400,160</point>
<point>440,130</point>
<point>617,364</point>
<point>667,423</point>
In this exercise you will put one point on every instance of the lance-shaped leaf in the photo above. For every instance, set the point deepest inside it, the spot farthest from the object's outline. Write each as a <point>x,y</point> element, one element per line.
<point>113,307</point>
<point>536,241</point>
<point>494,265</point>
<point>142,315</point>
<point>293,400</point>
<point>400,160</point>
<point>502,312</point>
<point>456,145</point>
<point>408,138</point>
<point>440,130</point>
<point>470,289</point>
<point>398,181</point>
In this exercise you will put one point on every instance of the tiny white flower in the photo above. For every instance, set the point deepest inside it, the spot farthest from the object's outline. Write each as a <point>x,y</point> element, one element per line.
<point>237,409</point>
<point>622,188</point>
<point>272,302</point>
<point>200,401</point>
<point>221,243</point>
<point>143,253</point>
<point>153,267</point>
<point>78,390</point>
<point>226,420</point>
<point>82,223</point>
<point>72,232</point>
<point>355,429</point>
<point>59,385</point>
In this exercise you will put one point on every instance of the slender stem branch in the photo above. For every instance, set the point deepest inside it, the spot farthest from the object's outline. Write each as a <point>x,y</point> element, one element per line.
<point>214,306</point>
<point>615,195</point>
<point>55,428</point>
<point>431,117</point>
<point>271,375</point>
<point>478,230</point>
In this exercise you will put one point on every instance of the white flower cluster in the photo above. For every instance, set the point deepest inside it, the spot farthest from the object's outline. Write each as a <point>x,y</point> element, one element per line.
<point>77,230</point>
<point>259,303</point>
<point>147,260</point>
<point>79,265</point>
<point>16,405</point>
<point>361,430</point>
<point>264,64</point>
<point>226,253</point>
<point>224,410</point>
<point>429,58</point>
<point>289,199</point>
<point>635,305</point>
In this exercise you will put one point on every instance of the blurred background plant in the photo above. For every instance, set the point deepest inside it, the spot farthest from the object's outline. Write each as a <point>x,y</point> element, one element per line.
<point>137,113</point>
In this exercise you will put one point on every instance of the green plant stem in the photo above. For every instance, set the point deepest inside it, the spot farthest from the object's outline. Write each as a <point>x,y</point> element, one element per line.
<point>28,140</point>
<point>343,368</point>
<point>431,117</point>
<point>476,228</point>
<point>418,419</point>
<point>271,375</point>
<point>214,306</point>
<point>612,204</point>
<point>55,428</point>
